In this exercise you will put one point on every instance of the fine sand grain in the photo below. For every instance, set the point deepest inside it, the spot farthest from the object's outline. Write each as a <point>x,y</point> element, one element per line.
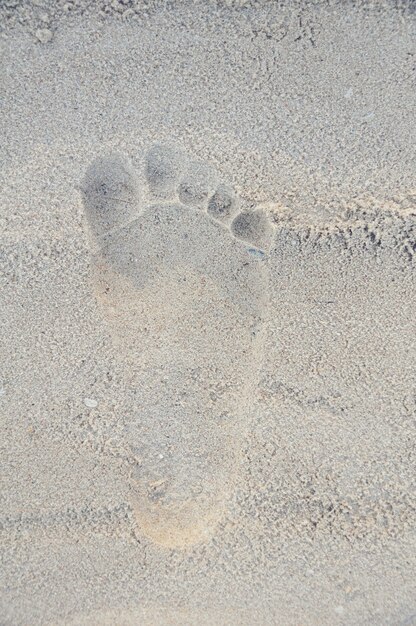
<point>208,327</point>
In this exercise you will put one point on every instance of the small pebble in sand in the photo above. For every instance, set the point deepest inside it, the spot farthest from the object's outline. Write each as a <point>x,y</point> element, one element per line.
<point>259,254</point>
<point>44,35</point>
<point>90,403</point>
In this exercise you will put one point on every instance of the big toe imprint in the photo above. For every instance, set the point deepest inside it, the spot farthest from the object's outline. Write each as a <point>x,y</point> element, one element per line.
<point>183,285</point>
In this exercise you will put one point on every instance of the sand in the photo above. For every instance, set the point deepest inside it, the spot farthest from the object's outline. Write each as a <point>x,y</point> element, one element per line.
<point>208,381</point>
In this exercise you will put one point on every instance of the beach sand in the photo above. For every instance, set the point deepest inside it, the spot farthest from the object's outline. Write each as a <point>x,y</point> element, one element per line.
<point>208,328</point>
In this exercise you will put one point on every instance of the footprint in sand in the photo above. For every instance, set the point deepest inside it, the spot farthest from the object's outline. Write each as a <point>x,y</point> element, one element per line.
<point>183,283</point>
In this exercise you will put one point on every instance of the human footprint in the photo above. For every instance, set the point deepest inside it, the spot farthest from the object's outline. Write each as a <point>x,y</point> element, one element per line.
<point>183,284</point>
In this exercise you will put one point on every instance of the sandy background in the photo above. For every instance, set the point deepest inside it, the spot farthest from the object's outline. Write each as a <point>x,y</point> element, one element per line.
<point>309,106</point>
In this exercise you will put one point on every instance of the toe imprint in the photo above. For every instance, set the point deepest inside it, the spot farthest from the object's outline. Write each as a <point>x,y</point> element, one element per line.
<point>197,186</point>
<point>165,165</point>
<point>223,203</point>
<point>254,227</point>
<point>111,193</point>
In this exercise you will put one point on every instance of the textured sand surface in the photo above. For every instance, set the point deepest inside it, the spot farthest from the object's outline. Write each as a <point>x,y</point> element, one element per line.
<point>307,109</point>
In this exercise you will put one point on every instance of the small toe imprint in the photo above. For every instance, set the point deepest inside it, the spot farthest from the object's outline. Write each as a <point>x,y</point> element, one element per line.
<point>253,227</point>
<point>223,203</point>
<point>197,186</point>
